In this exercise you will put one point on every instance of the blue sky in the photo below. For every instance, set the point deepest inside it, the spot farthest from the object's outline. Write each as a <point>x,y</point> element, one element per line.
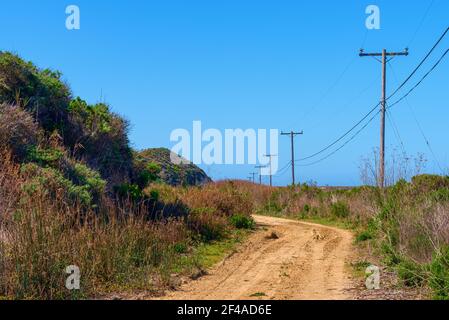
<point>245,64</point>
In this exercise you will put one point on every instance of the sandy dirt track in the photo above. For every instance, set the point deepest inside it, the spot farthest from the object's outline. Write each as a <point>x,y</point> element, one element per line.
<point>307,261</point>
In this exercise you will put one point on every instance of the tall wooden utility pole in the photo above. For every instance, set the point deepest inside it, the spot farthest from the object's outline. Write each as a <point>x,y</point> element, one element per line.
<point>271,173</point>
<point>383,107</point>
<point>292,135</point>
<point>253,174</point>
<point>260,173</point>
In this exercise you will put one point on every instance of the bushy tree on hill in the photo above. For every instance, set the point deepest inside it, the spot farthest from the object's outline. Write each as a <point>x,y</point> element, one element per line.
<point>89,132</point>
<point>40,92</point>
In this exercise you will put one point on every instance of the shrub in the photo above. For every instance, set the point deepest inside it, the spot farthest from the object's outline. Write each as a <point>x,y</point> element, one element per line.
<point>148,175</point>
<point>439,270</point>
<point>411,273</point>
<point>95,127</point>
<point>180,248</point>
<point>40,92</point>
<point>370,231</point>
<point>440,195</point>
<point>51,182</point>
<point>154,195</point>
<point>129,191</point>
<point>364,236</point>
<point>207,225</point>
<point>45,156</point>
<point>18,131</point>
<point>224,199</point>
<point>426,183</point>
<point>340,209</point>
<point>240,221</point>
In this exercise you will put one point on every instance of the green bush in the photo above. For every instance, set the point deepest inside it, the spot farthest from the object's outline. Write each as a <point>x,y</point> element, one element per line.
<point>154,195</point>
<point>439,274</point>
<point>180,248</point>
<point>369,233</point>
<point>149,175</point>
<point>440,195</point>
<point>241,221</point>
<point>50,181</point>
<point>96,118</point>
<point>426,183</point>
<point>411,273</point>
<point>131,191</point>
<point>273,204</point>
<point>82,175</point>
<point>95,128</point>
<point>340,209</point>
<point>46,157</point>
<point>363,236</point>
<point>41,92</point>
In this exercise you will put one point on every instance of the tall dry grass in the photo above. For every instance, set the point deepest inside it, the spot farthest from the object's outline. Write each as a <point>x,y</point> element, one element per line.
<point>117,246</point>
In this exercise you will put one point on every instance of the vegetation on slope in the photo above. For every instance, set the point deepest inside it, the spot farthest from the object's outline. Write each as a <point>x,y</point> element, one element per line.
<point>72,192</point>
<point>159,166</point>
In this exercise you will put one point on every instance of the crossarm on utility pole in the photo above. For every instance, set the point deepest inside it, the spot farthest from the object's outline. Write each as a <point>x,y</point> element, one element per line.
<point>384,54</point>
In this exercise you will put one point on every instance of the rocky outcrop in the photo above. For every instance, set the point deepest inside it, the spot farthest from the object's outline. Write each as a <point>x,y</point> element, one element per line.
<point>171,173</point>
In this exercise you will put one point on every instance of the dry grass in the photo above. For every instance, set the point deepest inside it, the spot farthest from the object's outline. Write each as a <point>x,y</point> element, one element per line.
<point>116,247</point>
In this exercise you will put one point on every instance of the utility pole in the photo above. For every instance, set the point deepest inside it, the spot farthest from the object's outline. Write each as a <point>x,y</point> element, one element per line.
<point>292,135</point>
<point>253,178</point>
<point>271,174</point>
<point>260,173</point>
<point>384,54</point>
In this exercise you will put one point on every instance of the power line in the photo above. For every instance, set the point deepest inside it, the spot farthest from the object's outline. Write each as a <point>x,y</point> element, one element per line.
<point>337,112</point>
<point>421,130</point>
<point>342,136</point>
<point>425,137</point>
<point>375,107</point>
<point>396,131</point>
<point>426,13</point>
<point>283,170</point>
<point>345,144</point>
<point>372,118</point>
<point>420,64</point>
<point>391,118</point>
<point>420,81</point>
<point>384,54</point>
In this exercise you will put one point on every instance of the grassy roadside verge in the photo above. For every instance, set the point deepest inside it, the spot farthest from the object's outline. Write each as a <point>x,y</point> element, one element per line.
<point>205,255</point>
<point>403,228</point>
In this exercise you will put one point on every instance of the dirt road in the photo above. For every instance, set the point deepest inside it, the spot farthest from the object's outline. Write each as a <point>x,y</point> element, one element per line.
<point>306,261</point>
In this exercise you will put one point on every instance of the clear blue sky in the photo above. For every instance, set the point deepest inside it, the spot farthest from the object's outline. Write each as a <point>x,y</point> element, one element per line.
<point>244,64</point>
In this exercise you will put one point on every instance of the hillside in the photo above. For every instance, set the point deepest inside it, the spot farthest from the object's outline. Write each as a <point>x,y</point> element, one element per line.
<point>168,172</point>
